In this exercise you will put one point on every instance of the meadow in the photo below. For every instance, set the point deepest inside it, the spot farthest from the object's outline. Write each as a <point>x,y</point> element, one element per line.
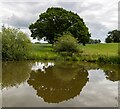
<point>110,49</point>
<point>107,53</point>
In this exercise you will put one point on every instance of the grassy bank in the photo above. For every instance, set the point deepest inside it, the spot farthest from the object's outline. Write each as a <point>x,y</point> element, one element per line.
<point>107,53</point>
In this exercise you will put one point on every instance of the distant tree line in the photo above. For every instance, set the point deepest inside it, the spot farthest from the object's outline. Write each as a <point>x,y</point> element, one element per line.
<point>94,41</point>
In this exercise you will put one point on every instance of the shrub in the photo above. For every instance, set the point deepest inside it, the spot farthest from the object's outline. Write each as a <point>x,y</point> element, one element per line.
<point>15,44</point>
<point>67,43</point>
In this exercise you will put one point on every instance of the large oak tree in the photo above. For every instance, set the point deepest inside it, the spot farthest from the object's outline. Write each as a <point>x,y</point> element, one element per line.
<point>55,21</point>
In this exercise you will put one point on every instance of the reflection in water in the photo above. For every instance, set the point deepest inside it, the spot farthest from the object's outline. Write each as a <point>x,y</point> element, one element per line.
<point>41,65</point>
<point>14,73</point>
<point>60,82</point>
<point>113,76</point>
<point>112,72</point>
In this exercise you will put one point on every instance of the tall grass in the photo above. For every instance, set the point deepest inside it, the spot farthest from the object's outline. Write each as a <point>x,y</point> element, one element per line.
<point>110,59</point>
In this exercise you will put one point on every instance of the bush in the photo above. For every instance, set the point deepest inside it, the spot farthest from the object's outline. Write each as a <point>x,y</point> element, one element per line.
<point>67,43</point>
<point>15,44</point>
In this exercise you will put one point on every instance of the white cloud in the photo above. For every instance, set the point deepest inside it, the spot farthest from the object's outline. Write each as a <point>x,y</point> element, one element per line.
<point>100,16</point>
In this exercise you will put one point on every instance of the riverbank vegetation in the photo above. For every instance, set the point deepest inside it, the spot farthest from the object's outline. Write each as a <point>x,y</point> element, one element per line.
<point>15,44</point>
<point>105,53</point>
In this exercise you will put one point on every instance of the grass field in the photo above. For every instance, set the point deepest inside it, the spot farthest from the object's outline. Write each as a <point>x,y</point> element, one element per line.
<point>110,49</point>
<point>91,52</point>
<point>42,51</point>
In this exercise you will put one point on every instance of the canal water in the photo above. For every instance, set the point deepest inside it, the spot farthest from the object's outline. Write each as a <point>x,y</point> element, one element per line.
<point>59,84</point>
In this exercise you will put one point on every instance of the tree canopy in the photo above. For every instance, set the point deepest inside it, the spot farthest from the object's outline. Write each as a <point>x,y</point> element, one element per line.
<point>113,36</point>
<point>52,23</point>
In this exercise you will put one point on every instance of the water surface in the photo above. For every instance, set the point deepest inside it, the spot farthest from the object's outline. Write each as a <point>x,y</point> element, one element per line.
<point>59,84</point>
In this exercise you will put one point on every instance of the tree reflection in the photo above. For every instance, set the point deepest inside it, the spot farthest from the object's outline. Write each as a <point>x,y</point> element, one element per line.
<point>112,71</point>
<point>59,82</point>
<point>112,75</point>
<point>14,73</point>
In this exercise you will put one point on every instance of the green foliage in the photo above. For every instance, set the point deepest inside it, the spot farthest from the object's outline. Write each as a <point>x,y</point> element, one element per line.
<point>80,31</point>
<point>14,44</point>
<point>67,43</point>
<point>52,23</point>
<point>113,36</point>
<point>111,59</point>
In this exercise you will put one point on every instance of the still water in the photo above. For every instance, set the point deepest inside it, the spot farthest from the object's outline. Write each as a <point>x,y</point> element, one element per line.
<point>59,84</point>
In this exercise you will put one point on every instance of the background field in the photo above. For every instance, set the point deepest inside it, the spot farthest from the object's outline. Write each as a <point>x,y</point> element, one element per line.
<point>110,49</point>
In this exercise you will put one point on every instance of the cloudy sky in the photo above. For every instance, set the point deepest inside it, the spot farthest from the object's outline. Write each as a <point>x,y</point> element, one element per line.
<point>100,16</point>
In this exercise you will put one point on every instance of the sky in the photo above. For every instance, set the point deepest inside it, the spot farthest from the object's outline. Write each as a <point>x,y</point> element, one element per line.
<point>100,16</point>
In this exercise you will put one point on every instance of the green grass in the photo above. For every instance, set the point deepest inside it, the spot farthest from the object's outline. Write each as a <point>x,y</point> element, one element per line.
<point>42,51</point>
<point>107,53</point>
<point>110,49</point>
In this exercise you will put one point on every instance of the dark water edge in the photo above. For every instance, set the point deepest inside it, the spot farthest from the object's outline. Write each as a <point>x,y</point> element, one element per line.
<point>84,58</point>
